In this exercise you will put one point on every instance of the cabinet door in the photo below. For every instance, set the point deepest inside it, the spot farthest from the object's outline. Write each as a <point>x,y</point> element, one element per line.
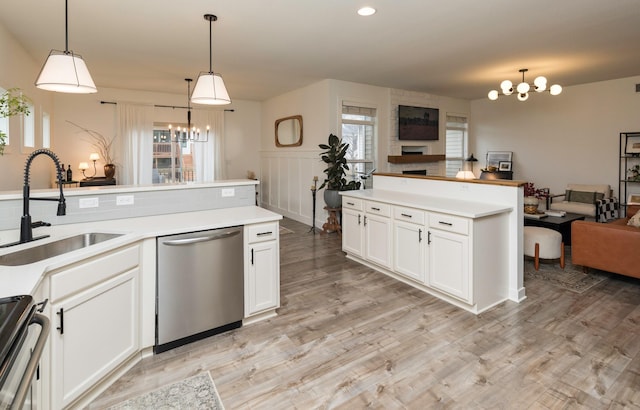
<point>378,239</point>
<point>263,279</point>
<point>93,332</point>
<point>409,242</point>
<point>352,232</point>
<point>449,263</point>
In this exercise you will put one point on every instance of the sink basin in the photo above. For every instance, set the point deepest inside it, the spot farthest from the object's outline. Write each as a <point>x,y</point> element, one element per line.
<point>51,249</point>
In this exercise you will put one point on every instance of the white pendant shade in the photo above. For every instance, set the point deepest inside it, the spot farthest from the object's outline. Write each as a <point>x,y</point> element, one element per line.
<point>210,90</point>
<point>65,72</point>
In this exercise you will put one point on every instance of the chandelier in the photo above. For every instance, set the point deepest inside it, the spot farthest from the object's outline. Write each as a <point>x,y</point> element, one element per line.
<point>190,132</point>
<point>539,85</point>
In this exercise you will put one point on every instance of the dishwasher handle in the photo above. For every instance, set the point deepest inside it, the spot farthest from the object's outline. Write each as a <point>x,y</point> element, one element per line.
<point>198,239</point>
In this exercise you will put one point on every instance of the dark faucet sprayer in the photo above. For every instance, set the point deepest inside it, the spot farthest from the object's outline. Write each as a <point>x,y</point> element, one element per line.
<point>26,226</point>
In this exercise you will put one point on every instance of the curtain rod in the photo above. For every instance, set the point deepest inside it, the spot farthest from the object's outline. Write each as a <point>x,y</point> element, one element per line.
<point>161,106</point>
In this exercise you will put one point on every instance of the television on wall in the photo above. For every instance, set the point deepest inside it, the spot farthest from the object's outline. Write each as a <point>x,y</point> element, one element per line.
<point>418,123</point>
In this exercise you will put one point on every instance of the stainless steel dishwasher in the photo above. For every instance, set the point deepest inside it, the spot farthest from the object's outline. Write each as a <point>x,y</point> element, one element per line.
<point>200,286</point>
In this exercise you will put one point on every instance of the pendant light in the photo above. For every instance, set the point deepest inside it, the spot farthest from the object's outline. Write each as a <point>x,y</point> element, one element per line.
<point>210,89</point>
<point>64,71</point>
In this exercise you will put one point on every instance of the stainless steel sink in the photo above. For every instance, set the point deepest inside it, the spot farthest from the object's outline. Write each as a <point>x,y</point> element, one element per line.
<point>51,249</point>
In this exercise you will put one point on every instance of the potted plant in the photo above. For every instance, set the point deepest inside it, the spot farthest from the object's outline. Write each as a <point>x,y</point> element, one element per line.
<point>12,102</point>
<point>335,181</point>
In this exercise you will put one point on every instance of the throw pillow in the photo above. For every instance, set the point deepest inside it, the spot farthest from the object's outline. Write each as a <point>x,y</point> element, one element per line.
<point>580,196</point>
<point>635,220</point>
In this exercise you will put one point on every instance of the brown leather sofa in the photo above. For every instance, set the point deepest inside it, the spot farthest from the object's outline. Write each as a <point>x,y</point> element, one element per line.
<point>612,247</point>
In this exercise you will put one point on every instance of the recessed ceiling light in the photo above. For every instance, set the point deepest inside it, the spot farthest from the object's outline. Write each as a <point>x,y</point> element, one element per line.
<point>366,11</point>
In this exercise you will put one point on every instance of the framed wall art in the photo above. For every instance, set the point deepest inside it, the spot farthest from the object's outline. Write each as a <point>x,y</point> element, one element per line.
<point>504,166</point>
<point>495,157</point>
<point>632,146</point>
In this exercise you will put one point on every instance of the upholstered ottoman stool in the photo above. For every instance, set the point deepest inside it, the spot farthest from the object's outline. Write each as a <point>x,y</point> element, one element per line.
<point>543,243</point>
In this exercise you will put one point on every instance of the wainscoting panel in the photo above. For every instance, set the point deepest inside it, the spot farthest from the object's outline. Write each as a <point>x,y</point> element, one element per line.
<point>285,184</point>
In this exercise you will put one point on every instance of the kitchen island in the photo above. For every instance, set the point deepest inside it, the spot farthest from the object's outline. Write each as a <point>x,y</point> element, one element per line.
<point>458,240</point>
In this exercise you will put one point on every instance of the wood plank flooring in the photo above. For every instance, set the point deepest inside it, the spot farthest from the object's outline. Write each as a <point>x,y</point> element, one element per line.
<point>349,337</point>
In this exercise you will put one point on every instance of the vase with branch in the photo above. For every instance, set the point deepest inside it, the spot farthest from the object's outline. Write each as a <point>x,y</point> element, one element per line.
<point>103,146</point>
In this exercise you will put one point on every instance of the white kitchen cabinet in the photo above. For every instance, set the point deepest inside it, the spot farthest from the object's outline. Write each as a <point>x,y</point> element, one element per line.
<point>95,322</point>
<point>366,230</point>
<point>262,268</point>
<point>410,255</point>
<point>378,239</point>
<point>449,263</point>
<point>442,253</point>
<point>352,231</point>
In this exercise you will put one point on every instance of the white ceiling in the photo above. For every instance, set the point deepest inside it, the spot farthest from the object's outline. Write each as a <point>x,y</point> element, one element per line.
<point>263,48</point>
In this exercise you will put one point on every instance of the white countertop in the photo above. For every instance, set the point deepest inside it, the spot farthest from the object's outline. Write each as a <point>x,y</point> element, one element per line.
<point>19,280</point>
<point>458,207</point>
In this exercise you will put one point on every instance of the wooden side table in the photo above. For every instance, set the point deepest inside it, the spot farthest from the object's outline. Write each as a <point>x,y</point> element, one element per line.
<point>332,224</point>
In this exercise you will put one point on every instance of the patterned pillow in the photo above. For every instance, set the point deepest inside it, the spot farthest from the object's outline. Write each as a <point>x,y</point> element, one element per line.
<point>635,220</point>
<point>584,197</point>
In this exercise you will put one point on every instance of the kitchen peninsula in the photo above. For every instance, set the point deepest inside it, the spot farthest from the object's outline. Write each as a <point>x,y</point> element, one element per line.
<point>459,240</point>
<point>107,292</point>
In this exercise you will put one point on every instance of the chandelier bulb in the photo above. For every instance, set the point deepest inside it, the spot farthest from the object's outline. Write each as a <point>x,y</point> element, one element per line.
<point>555,89</point>
<point>523,96</point>
<point>493,95</point>
<point>523,88</point>
<point>507,87</point>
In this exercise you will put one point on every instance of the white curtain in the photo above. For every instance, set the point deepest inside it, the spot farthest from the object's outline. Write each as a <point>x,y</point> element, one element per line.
<point>208,157</point>
<point>135,128</point>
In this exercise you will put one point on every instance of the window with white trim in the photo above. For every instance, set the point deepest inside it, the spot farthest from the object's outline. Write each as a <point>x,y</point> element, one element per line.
<point>4,122</point>
<point>359,131</point>
<point>46,130</point>
<point>455,143</point>
<point>29,127</point>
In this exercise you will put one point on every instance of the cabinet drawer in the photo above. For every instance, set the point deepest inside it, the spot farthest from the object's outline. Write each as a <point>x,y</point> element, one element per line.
<point>262,232</point>
<point>378,208</point>
<point>449,223</point>
<point>352,203</point>
<point>408,214</point>
<point>98,270</point>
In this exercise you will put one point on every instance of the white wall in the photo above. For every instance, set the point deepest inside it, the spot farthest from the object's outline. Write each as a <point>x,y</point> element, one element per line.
<point>19,70</point>
<point>556,140</point>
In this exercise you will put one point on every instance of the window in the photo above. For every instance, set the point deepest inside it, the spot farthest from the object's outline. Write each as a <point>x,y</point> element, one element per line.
<point>172,155</point>
<point>4,123</point>
<point>359,130</point>
<point>456,143</point>
<point>46,130</point>
<point>29,128</point>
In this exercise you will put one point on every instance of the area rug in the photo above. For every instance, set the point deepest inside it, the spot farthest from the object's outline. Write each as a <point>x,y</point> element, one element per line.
<point>197,392</point>
<point>570,278</point>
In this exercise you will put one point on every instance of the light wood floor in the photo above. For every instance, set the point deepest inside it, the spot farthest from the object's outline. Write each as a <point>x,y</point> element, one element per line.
<point>349,337</point>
